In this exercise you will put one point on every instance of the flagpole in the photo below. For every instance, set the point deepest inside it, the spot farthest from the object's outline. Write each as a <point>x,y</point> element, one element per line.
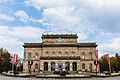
<point>12,61</point>
<point>108,60</point>
<point>109,66</point>
<point>12,67</point>
<point>96,53</point>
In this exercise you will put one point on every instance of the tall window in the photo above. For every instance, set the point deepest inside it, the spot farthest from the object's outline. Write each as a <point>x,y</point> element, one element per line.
<point>52,66</point>
<point>45,66</point>
<point>36,55</point>
<point>29,55</point>
<point>66,53</point>
<point>74,66</point>
<point>36,66</point>
<point>90,55</point>
<point>73,53</point>
<point>83,65</point>
<point>90,67</point>
<point>83,55</point>
<point>59,54</point>
<point>47,54</point>
<point>67,66</point>
<point>53,53</point>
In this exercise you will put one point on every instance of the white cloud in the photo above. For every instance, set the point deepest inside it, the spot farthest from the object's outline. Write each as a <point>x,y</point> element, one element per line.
<point>67,19</point>
<point>22,15</point>
<point>27,32</point>
<point>38,4</point>
<point>63,15</point>
<point>75,16</point>
<point>12,38</point>
<point>9,41</point>
<point>6,38</point>
<point>112,45</point>
<point>35,3</point>
<point>6,17</point>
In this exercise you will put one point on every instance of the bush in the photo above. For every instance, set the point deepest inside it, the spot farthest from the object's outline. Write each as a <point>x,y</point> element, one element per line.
<point>56,72</point>
<point>63,73</point>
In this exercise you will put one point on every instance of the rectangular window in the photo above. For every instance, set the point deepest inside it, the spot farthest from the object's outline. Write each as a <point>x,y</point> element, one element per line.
<point>29,55</point>
<point>90,55</point>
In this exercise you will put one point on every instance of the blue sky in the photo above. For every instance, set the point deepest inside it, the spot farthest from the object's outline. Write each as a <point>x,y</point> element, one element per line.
<point>92,20</point>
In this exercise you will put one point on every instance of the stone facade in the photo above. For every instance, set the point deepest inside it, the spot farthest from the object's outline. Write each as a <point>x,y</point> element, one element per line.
<point>60,50</point>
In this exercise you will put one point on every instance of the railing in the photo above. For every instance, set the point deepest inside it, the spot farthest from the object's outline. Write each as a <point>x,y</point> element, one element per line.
<point>61,57</point>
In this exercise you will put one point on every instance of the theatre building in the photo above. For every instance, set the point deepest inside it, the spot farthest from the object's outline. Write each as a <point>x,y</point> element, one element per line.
<point>60,52</point>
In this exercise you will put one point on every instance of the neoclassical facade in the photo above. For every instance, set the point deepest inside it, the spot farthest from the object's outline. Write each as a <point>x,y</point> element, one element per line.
<point>60,51</point>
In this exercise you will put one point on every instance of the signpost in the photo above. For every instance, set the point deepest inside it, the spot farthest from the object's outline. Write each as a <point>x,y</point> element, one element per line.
<point>96,62</point>
<point>30,63</point>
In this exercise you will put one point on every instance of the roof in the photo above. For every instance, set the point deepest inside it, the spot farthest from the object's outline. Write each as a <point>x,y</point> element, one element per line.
<point>35,45</point>
<point>59,36</point>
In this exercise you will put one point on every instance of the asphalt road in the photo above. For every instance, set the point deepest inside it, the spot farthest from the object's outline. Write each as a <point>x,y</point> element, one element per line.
<point>16,78</point>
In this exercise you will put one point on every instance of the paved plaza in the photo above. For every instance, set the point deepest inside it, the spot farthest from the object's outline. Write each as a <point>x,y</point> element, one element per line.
<point>16,78</point>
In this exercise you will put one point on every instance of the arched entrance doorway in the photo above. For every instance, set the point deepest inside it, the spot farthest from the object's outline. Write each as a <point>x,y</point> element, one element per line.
<point>52,66</point>
<point>67,66</point>
<point>74,66</point>
<point>45,66</point>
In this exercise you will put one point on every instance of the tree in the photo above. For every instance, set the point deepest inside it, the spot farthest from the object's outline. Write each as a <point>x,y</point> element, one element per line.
<point>104,66</point>
<point>4,60</point>
<point>114,63</point>
<point>117,62</point>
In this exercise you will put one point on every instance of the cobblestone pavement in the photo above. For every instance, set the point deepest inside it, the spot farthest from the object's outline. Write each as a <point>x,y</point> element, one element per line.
<point>16,78</point>
<point>12,78</point>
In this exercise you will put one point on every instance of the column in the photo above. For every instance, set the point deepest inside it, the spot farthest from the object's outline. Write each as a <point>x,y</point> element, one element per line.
<point>56,66</point>
<point>63,66</point>
<point>41,66</point>
<point>49,66</point>
<point>71,67</point>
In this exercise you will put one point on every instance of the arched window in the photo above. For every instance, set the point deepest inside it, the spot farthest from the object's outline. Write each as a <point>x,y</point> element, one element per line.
<point>47,54</point>
<point>52,66</point>
<point>74,66</point>
<point>45,66</point>
<point>59,54</point>
<point>67,66</point>
<point>90,67</point>
<point>53,53</point>
<point>83,55</point>
<point>66,53</point>
<point>83,65</point>
<point>90,55</point>
<point>36,66</point>
<point>73,53</point>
